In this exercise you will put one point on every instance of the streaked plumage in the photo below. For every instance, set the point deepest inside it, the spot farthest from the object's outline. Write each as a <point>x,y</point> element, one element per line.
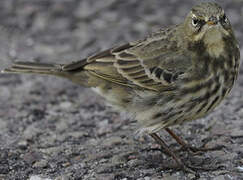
<point>175,75</point>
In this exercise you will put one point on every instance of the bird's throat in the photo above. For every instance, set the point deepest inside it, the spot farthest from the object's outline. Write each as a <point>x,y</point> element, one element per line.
<point>214,43</point>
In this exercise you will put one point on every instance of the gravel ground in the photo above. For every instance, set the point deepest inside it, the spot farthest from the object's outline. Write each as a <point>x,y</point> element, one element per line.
<point>51,128</point>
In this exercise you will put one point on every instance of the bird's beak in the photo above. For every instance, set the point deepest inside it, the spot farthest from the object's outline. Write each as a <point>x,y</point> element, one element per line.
<point>212,21</point>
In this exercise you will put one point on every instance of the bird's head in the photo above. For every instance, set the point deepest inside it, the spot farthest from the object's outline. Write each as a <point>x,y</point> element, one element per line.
<point>207,22</point>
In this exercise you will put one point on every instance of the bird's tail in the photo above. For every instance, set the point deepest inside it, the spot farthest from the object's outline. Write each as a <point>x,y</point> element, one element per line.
<point>73,71</point>
<point>34,68</point>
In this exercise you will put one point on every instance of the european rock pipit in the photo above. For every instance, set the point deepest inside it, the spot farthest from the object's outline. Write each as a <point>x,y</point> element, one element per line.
<point>175,75</point>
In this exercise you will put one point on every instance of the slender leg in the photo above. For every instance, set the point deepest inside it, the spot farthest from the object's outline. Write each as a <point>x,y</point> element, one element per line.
<point>185,146</point>
<point>186,168</point>
<point>177,138</point>
<point>171,153</point>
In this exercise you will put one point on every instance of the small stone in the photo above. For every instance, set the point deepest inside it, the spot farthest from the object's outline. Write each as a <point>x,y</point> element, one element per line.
<point>134,162</point>
<point>104,127</point>
<point>236,133</point>
<point>40,164</point>
<point>62,177</point>
<point>22,144</point>
<point>118,159</point>
<point>241,112</point>
<point>112,141</point>
<point>169,177</point>
<point>37,177</point>
<point>77,134</point>
<point>147,178</point>
<point>65,105</point>
<point>105,177</point>
<point>104,169</point>
<point>191,176</point>
<point>66,164</point>
<point>240,168</point>
<point>51,150</point>
<point>103,161</point>
<point>221,177</point>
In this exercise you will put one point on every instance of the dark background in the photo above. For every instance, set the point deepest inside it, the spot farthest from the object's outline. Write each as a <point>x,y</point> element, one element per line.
<point>52,128</point>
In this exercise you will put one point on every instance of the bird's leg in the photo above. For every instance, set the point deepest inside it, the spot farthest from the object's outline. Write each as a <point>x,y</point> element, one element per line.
<point>186,168</point>
<point>188,147</point>
<point>177,138</point>
<point>171,153</point>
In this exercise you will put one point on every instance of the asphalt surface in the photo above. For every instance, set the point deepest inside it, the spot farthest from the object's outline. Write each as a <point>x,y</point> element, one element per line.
<point>51,128</point>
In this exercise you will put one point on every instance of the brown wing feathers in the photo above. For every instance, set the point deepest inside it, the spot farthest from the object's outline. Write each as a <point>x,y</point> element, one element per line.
<point>118,65</point>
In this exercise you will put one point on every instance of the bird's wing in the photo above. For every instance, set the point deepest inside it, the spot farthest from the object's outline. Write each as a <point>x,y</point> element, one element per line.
<point>153,64</point>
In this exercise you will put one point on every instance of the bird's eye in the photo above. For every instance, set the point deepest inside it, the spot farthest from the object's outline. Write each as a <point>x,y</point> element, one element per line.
<point>195,22</point>
<point>224,18</point>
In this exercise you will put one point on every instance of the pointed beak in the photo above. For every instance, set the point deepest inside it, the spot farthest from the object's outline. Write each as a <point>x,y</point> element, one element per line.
<point>212,21</point>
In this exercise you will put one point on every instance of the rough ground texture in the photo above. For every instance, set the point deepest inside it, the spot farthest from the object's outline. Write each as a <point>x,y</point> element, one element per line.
<point>53,129</point>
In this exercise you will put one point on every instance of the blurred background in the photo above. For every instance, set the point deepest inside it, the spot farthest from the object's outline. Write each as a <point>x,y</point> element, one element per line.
<point>52,128</point>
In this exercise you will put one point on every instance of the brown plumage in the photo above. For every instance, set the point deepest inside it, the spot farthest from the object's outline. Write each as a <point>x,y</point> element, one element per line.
<point>175,75</point>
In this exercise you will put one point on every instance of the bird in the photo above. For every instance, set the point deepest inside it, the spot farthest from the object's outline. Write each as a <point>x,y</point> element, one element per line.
<point>172,76</point>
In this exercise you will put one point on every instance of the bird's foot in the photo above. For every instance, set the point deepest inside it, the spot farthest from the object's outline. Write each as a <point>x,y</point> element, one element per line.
<point>199,150</point>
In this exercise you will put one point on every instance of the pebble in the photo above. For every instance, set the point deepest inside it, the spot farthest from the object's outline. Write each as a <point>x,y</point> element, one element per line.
<point>221,177</point>
<point>37,177</point>
<point>22,144</point>
<point>62,177</point>
<point>65,105</point>
<point>240,168</point>
<point>40,164</point>
<point>118,159</point>
<point>112,141</point>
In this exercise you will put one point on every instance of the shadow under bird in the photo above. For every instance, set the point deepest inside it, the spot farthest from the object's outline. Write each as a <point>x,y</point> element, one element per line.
<point>174,75</point>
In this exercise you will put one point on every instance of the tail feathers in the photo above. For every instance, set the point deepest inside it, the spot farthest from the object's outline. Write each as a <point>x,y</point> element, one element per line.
<point>36,68</point>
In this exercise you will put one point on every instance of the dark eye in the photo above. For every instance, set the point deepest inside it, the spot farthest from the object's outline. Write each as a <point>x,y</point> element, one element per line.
<point>195,22</point>
<point>224,19</point>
